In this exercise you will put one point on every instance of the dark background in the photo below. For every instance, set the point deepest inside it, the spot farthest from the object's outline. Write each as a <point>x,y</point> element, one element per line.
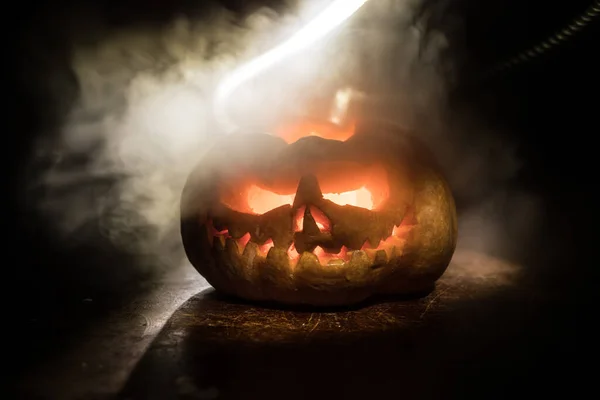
<point>550,105</point>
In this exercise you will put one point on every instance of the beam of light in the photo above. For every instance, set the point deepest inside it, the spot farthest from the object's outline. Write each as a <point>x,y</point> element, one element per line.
<point>330,18</point>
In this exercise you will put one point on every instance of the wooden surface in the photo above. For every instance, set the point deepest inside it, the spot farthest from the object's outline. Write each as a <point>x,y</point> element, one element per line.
<point>183,341</point>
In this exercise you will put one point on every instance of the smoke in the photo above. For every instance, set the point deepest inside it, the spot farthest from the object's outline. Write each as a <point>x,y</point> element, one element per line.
<point>143,117</point>
<point>480,157</point>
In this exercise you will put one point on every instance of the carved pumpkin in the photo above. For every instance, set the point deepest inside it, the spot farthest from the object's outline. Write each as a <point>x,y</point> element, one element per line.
<point>319,221</point>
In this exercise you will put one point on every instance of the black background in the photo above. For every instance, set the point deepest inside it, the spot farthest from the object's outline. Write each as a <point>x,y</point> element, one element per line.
<point>550,105</point>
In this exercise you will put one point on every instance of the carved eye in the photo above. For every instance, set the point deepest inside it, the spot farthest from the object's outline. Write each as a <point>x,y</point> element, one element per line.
<point>343,183</point>
<point>261,200</point>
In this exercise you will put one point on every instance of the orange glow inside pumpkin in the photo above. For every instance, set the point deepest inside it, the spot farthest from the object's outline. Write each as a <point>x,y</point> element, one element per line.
<point>325,130</point>
<point>368,196</point>
<point>391,245</point>
<point>260,200</point>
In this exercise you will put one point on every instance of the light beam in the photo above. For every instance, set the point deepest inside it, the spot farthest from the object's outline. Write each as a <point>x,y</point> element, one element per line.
<point>330,18</point>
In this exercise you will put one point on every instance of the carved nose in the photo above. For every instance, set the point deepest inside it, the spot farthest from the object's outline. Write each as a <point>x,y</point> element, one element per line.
<point>308,191</point>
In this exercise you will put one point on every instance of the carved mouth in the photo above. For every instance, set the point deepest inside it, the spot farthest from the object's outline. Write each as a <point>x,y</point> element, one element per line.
<point>315,225</point>
<point>313,235</point>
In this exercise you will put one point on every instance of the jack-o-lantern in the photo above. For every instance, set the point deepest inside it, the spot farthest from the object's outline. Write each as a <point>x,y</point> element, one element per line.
<point>328,219</point>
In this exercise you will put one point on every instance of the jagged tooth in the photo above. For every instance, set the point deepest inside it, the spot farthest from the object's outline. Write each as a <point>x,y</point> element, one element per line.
<point>278,226</point>
<point>358,266</point>
<point>308,261</point>
<point>241,244</point>
<point>233,264</point>
<point>359,256</point>
<point>336,262</point>
<point>380,257</point>
<point>219,243</point>
<point>276,271</point>
<point>250,252</point>
<point>389,252</point>
<point>278,256</point>
<point>263,250</point>
<point>231,247</point>
<point>312,274</point>
<point>370,253</point>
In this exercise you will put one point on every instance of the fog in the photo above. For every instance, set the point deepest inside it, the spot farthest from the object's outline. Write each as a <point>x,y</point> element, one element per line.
<point>143,118</point>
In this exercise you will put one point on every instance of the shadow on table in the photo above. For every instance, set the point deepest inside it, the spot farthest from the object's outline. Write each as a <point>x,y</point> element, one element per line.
<point>452,343</point>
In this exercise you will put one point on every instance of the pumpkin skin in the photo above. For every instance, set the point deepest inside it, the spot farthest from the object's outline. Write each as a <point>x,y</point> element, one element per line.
<point>401,247</point>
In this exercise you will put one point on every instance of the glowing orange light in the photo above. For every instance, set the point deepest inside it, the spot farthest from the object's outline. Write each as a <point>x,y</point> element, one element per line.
<point>325,258</point>
<point>359,198</point>
<point>260,200</point>
<point>243,241</point>
<point>321,219</point>
<point>263,249</point>
<point>396,240</point>
<point>293,253</point>
<point>299,219</point>
<point>325,130</point>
